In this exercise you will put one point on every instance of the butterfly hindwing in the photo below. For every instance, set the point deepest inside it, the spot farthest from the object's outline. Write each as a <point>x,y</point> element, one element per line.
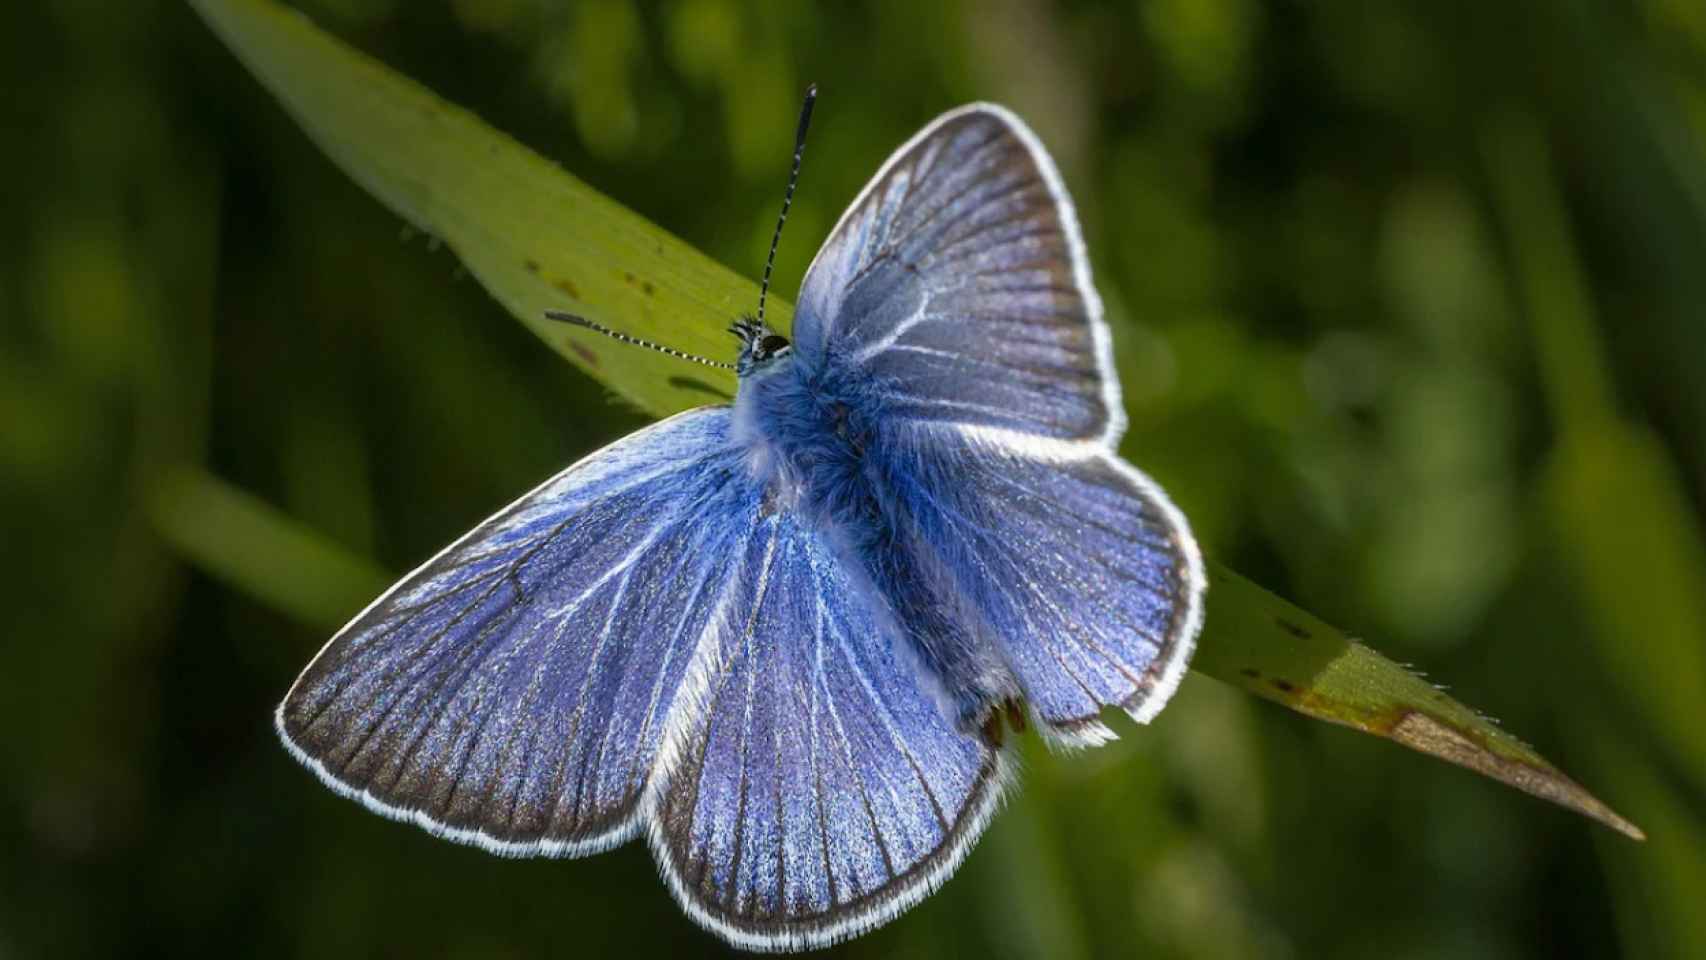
<point>956,287</point>
<point>513,691</point>
<point>820,790</point>
<point>1082,574</point>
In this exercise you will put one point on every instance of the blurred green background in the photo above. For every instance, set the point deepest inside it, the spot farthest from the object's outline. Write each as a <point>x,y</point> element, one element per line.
<point>1409,301</point>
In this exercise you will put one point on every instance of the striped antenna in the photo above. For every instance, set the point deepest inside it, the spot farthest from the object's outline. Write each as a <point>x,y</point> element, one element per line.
<point>636,341</point>
<point>787,197</point>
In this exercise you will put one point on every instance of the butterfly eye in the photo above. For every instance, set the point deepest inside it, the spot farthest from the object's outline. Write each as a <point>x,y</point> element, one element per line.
<point>772,345</point>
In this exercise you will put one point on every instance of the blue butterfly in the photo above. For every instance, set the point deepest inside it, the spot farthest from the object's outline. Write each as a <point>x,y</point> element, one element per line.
<point>778,637</point>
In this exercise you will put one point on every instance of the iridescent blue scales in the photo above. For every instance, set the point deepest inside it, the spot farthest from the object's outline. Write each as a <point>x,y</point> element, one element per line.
<point>776,638</point>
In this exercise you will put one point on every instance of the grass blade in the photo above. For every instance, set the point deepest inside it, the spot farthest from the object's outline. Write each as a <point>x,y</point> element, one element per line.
<point>1255,640</point>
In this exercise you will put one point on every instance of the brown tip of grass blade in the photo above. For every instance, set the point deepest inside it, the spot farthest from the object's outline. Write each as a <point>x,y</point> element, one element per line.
<point>1418,731</point>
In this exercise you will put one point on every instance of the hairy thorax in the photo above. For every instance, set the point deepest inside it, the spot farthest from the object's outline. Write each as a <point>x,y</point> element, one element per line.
<point>805,444</point>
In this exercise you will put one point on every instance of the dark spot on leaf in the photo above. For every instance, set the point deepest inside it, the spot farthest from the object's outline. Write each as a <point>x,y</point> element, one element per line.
<point>567,287</point>
<point>689,383</point>
<point>628,278</point>
<point>586,355</point>
<point>1285,686</point>
<point>1291,628</point>
<point>532,266</point>
<point>646,287</point>
<point>1252,674</point>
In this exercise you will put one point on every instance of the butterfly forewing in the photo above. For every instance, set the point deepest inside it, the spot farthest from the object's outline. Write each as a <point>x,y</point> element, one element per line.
<point>955,287</point>
<point>513,692</point>
<point>821,790</point>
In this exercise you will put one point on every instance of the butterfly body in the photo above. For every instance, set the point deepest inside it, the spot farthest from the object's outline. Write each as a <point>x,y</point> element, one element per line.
<point>773,637</point>
<point>816,446</point>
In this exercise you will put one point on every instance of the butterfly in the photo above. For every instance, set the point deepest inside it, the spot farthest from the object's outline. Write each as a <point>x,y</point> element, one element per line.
<point>777,638</point>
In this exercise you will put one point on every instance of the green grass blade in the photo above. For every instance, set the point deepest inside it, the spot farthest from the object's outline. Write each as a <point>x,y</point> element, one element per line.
<point>1276,650</point>
<point>256,548</point>
<point>536,238</point>
<point>532,234</point>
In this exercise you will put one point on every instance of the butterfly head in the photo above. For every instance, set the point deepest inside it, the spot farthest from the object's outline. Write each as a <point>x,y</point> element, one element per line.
<point>759,346</point>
